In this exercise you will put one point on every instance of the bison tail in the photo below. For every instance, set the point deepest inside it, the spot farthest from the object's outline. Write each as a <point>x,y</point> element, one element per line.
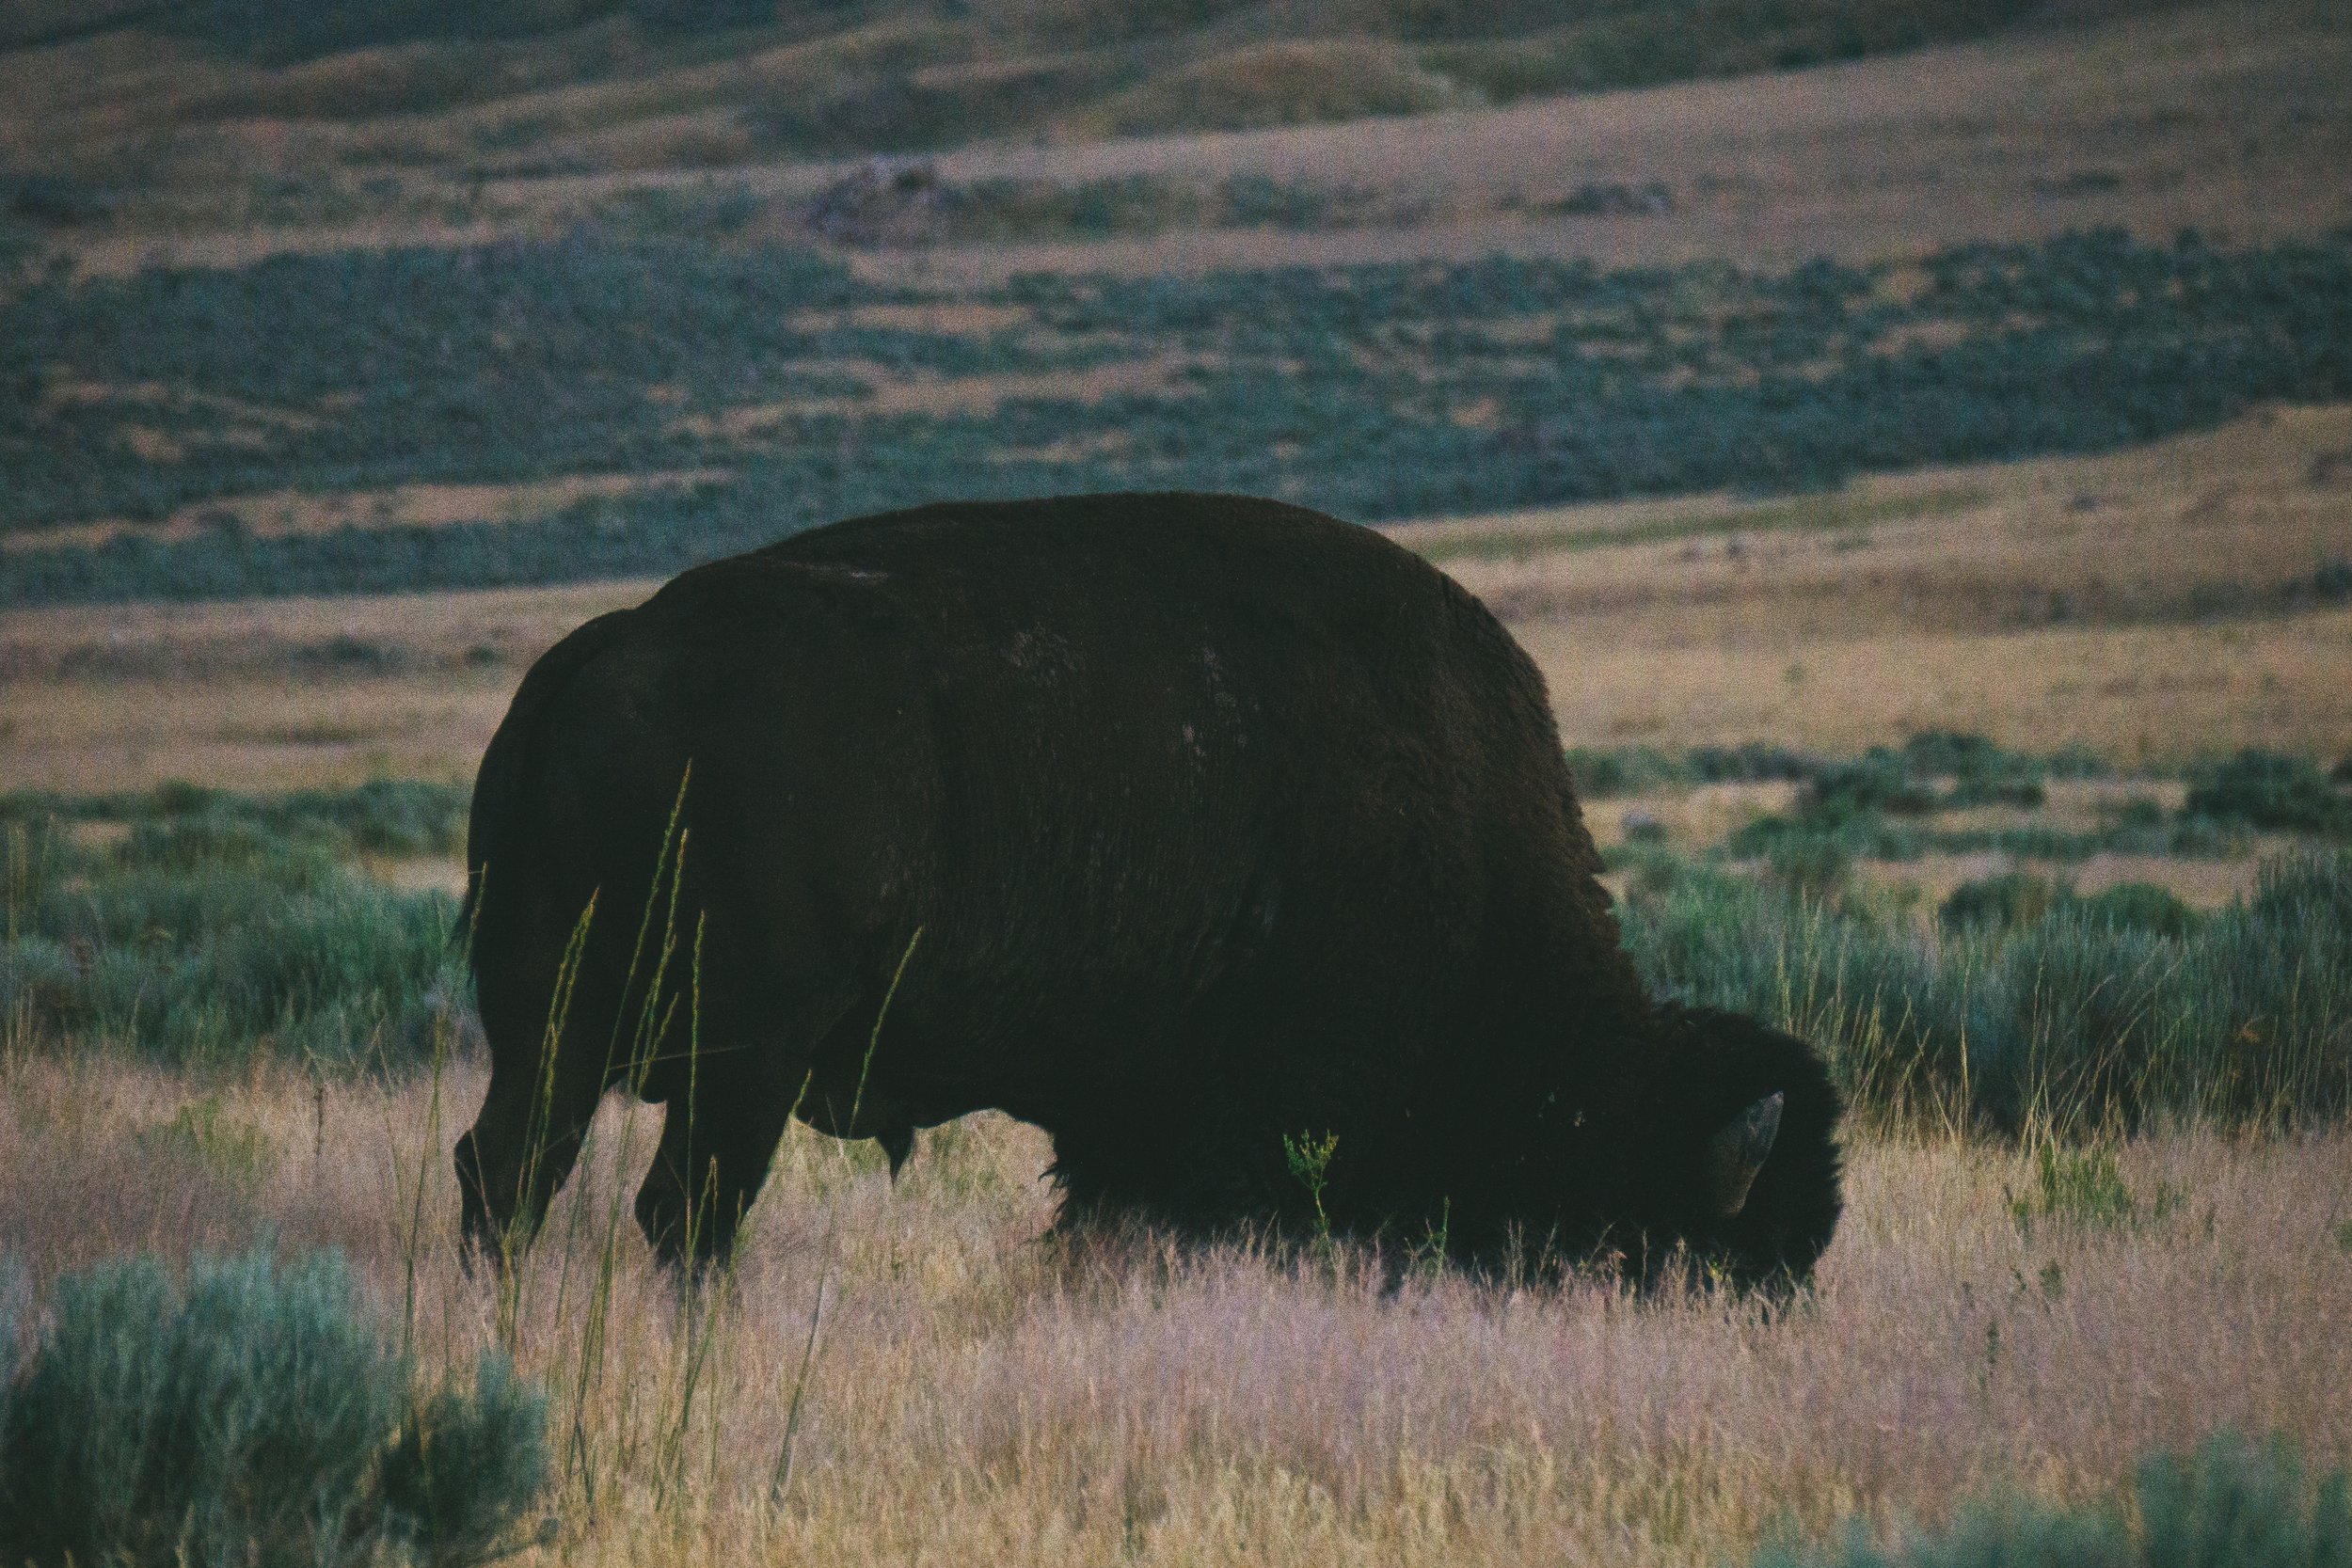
<point>502,786</point>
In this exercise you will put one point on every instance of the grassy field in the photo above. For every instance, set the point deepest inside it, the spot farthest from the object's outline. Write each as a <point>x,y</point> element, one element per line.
<point>973,1393</point>
<point>1913,437</point>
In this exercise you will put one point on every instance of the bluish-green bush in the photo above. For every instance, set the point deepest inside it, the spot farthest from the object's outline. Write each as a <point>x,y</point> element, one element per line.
<point>2011,898</point>
<point>2140,907</point>
<point>2233,1504</point>
<point>251,1417</point>
<point>2074,1018</point>
<point>205,939</point>
<point>2020,898</point>
<point>2264,789</point>
<point>1339,387</point>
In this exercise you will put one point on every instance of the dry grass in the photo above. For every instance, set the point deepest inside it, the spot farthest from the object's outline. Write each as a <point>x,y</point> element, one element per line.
<point>265,695</point>
<point>281,514</point>
<point>2225,117</point>
<point>2141,603</point>
<point>976,1395</point>
<point>2138,694</point>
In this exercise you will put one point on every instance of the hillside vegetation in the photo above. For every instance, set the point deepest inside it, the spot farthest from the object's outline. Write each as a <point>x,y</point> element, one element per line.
<point>830,76</point>
<point>763,391</point>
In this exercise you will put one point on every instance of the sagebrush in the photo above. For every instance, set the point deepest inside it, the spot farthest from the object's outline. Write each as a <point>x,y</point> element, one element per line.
<point>252,1417</point>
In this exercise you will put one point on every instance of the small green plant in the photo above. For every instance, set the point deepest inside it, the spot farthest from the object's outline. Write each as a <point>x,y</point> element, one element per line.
<point>252,1416</point>
<point>1310,1161</point>
<point>1428,1255</point>
<point>2084,1187</point>
<point>231,1149</point>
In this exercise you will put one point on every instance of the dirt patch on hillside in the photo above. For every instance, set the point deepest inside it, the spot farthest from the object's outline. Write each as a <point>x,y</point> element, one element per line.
<point>278,514</point>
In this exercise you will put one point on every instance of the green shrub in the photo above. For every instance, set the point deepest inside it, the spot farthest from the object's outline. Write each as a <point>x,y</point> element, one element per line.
<point>2140,907</point>
<point>2233,1504</point>
<point>2264,789</point>
<point>2239,1505</point>
<point>2021,898</point>
<point>2012,899</point>
<point>1982,773</point>
<point>250,1419</point>
<point>2138,812</point>
<point>205,939</point>
<point>2005,1533</point>
<point>1600,773</point>
<point>1815,864</point>
<point>2073,1019</point>
<point>382,816</point>
<point>1877,781</point>
<point>1603,771</point>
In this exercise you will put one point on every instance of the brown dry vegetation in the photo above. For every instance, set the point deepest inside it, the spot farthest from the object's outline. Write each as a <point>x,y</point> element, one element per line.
<point>2227,116</point>
<point>275,514</point>
<point>2143,603</point>
<point>976,1394</point>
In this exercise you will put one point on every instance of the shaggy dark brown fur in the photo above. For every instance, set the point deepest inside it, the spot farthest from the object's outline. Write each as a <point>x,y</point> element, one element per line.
<point>1220,820</point>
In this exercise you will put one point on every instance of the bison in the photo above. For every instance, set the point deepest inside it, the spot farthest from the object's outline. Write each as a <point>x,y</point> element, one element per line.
<point>1184,827</point>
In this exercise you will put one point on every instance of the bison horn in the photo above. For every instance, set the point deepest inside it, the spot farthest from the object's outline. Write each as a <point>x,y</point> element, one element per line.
<point>1737,1153</point>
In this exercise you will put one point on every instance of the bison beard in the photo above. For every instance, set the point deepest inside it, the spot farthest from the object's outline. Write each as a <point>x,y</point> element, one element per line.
<point>1218,820</point>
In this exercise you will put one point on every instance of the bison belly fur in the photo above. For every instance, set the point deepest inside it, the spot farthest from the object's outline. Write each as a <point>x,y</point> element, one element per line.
<point>1182,825</point>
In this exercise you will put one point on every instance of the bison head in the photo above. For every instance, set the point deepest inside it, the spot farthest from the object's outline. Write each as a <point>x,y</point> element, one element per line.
<point>1727,1154</point>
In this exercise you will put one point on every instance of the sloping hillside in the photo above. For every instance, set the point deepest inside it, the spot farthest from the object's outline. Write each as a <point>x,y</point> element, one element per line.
<point>217,114</point>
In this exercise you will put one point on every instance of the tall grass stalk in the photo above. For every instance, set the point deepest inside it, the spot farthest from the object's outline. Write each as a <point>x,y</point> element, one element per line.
<point>780,1479</point>
<point>647,1028</point>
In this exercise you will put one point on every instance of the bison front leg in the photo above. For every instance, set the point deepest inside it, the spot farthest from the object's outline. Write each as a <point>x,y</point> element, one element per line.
<point>715,1152</point>
<point>519,1150</point>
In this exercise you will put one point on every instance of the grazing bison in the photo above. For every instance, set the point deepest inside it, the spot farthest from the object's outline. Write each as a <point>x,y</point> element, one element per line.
<point>1181,824</point>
